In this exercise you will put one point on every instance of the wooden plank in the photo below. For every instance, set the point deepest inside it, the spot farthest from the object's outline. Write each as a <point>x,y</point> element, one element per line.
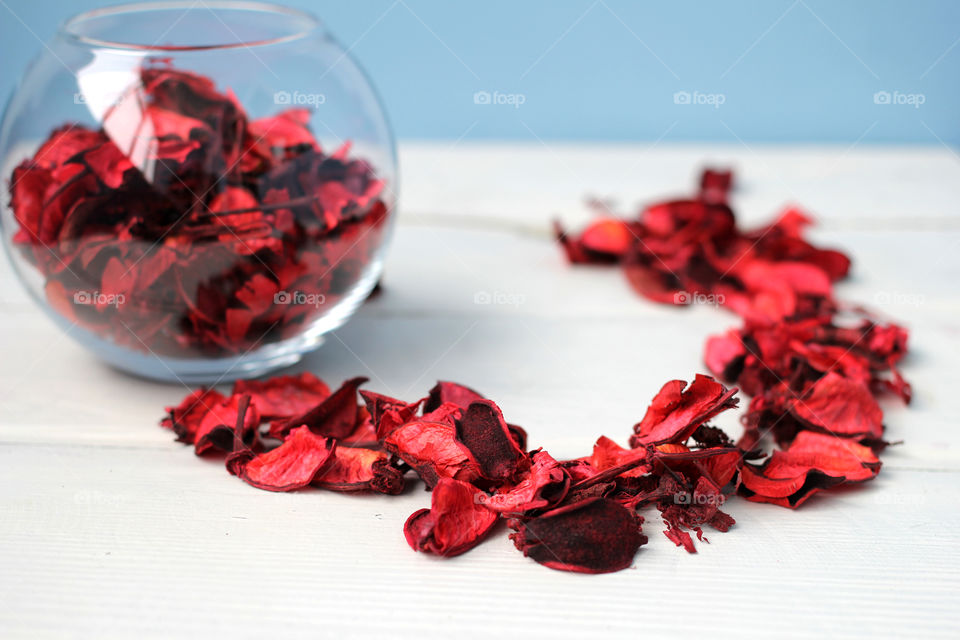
<point>134,541</point>
<point>110,528</point>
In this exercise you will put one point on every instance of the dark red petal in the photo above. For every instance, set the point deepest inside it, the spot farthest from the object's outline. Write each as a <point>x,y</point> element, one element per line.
<point>336,417</point>
<point>484,432</point>
<point>715,184</point>
<point>388,413</point>
<point>450,392</point>
<point>284,396</point>
<point>592,536</point>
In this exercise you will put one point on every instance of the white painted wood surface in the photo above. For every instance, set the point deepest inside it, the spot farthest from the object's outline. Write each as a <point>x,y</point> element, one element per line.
<point>109,528</point>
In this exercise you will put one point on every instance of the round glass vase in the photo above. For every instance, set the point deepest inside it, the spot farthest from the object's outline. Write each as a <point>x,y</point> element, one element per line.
<point>197,192</point>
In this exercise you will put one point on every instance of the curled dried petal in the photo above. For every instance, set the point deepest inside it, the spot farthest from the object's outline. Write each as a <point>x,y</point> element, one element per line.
<point>543,485</point>
<point>812,463</point>
<point>284,396</point>
<point>218,430</point>
<point>337,416</point>
<point>185,418</point>
<point>451,392</point>
<point>455,522</point>
<point>293,465</point>
<point>359,469</point>
<point>675,412</point>
<point>433,451</point>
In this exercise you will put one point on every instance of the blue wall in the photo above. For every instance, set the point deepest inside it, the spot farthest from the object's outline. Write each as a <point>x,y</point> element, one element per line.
<point>775,70</point>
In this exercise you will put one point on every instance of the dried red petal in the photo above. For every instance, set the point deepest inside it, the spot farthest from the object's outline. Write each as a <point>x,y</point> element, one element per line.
<point>293,465</point>
<point>543,485</point>
<point>388,413</point>
<point>337,416</point>
<point>450,392</point>
<point>675,412</point>
<point>359,469</point>
<point>592,536</point>
<point>484,432</point>
<point>715,184</point>
<point>455,522</point>
<point>813,462</point>
<point>218,427</point>
<point>186,417</point>
<point>284,396</point>
<point>434,452</point>
<point>689,510</point>
<point>287,129</point>
<point>840,406</point>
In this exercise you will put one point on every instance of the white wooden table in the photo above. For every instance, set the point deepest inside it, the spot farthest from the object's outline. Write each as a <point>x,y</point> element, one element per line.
<point>109,528</point>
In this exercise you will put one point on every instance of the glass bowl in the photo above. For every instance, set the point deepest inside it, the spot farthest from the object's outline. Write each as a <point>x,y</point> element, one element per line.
<point>197,192</point>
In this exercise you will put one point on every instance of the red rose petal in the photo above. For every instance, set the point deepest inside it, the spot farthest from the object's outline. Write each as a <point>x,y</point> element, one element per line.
<point>444,392</point>
<point>218,427</point>
<point>840,406</point>
<point>813,462</point>
<point>186,417</point>
<point>591,536</point>
<point>388,413</point>
<point>284,396</point>
<point>293,465</point>
<point>543,485</point>
<point>359,469</point>
<point>485,434</point>
<point>434,452</point>
<point>675,412</point>
<point>337,416</point>
<point>455,522</point>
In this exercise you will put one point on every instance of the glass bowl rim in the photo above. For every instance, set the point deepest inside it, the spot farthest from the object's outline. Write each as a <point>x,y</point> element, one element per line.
<point>308,24</point>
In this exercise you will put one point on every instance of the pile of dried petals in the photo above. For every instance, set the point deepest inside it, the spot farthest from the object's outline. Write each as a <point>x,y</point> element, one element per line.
<point>813,365</point>
<point>290,432</point>
<point>187,228</point>
<point>813,380</point>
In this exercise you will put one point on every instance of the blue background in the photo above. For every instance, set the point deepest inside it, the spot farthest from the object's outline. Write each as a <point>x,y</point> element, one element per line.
<point>787,71</point>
